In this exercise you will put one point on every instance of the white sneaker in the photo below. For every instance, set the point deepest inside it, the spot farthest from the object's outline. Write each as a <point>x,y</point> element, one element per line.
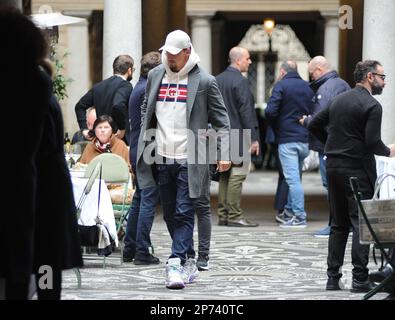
<point>174,274</point>
<point>189,271</point>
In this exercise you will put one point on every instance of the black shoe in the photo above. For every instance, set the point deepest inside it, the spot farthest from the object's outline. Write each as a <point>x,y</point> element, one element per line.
<point>203,262</point>
<point>241,223</point>
<point>127,258</point>
<point>222,222</point>
<point>361,286</point>
<point>380,275</point>
<point>145,259</point>
<point>334,284</point>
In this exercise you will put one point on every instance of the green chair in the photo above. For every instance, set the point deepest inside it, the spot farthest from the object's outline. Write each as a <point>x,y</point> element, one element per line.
<point>115,170</point>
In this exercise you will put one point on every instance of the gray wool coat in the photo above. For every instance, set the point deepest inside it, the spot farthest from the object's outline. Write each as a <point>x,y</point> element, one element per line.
<point>204,105</point>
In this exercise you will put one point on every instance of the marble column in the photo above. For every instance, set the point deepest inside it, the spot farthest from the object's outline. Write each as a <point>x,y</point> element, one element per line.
<point>331,42</point>
<point>78,70</point>
<point>379,44</point>
<point>260,80</point>
<point>122,33</point>
<point>201,39</point>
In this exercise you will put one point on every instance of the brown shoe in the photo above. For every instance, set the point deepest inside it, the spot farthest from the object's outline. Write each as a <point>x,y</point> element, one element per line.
<point>242,222</point>
<point>222,222</point>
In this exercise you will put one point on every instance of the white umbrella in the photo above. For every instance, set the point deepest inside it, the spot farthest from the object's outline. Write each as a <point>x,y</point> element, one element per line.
<point>48,20</point>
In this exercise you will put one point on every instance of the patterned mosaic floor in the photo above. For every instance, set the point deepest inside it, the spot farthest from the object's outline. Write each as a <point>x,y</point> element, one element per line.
<point>258,263</point>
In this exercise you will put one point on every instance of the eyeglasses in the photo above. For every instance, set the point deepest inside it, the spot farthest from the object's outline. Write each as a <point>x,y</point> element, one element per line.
<point>382,76</point>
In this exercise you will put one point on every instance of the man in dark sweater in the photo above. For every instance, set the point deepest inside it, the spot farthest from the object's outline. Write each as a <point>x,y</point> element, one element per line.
<point>110,97</point>
<point>353,137</point>
<point>142,209</point>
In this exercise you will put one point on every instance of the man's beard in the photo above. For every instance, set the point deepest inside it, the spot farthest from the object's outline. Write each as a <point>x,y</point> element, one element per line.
<point>129,78</point>
<point>377,89</point>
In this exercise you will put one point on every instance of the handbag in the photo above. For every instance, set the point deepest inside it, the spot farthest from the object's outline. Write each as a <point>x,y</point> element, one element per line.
<point>89,235</point>
<point>381,215</point>
<point>214,173</point>
<point>311,162</point>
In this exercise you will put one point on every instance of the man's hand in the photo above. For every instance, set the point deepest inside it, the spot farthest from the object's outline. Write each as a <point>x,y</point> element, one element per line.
<point>392,148</point>
<point>301,120</point>
<point>223,165</point>
<point>254,149</point>
<point>85,133</point>
<point>120,134</point>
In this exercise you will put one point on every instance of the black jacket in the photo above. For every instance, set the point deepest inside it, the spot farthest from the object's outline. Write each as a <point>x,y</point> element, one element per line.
<point>325,88</point>
<point>291,99</point>
<point>239,102</point>
<point>109,97</point>
<point>56,239</point>
<point>353,135</point>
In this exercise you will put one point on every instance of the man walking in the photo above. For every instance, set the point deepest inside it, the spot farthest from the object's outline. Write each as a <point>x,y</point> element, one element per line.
<point>326,85</point>
<point>353,122</point>
<point>181,99</point>
<point>142,209</point>
<point>291,98</point>
<point>239,103</point>
<point>110,97</point>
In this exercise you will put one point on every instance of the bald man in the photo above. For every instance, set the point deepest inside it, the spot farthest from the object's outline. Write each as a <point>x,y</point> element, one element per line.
<point>326,85</point>
<point>240,105</point>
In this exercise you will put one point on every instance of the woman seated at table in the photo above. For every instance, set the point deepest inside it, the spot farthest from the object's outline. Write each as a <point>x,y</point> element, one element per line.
<point>104,141</point>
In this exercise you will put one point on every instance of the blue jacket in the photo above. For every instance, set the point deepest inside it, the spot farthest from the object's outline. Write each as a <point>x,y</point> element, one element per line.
<point>291,99</point>
<point>135,101</point>
<point>326,88</point>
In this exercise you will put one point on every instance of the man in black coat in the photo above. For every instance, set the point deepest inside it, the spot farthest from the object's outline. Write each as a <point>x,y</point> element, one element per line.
<point>239,103</point>
<point>353,122</point>
<point>110,97</point>
<point>326,85</point>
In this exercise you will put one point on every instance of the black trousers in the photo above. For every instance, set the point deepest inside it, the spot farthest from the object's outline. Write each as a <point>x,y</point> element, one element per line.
<point>344,213</point>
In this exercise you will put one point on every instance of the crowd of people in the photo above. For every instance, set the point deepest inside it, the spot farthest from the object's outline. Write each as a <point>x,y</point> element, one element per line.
<point>164,128</point>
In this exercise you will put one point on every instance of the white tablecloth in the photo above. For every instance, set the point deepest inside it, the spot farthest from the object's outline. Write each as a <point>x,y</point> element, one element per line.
<point>386,165</point>
<point>89,208</point>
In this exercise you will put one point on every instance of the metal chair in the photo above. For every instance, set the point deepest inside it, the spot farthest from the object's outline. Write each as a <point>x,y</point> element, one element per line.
<point>376,239</point>
<point>115,170</point>
<point>88,187</point>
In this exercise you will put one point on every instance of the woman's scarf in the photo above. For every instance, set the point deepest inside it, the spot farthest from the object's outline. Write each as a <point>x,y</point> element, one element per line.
<point>103,147</point>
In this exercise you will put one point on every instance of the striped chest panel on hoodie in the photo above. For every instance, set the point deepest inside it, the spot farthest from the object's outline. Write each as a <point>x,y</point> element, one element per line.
<point>172,93</point>
<point>171,113</point>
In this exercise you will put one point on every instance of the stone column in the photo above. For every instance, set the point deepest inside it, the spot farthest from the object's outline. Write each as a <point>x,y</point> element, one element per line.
<point>331,43</point>
<point>260,80</point>
<point>379,44</point>
<point>201,39</point>
<point>122,33</point>
<point>78,69</point>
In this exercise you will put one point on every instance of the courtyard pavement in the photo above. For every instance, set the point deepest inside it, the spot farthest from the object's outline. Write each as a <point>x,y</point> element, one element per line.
<point>262,263</point>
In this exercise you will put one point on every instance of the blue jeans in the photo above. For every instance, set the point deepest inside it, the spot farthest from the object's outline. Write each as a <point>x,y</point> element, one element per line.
<point>178,207</point>
<point>140,218</point>
<point>323,170</point>
<point>291,156</point>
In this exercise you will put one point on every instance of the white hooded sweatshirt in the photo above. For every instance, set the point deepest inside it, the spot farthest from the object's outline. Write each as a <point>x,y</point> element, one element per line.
<point>171,110</point>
